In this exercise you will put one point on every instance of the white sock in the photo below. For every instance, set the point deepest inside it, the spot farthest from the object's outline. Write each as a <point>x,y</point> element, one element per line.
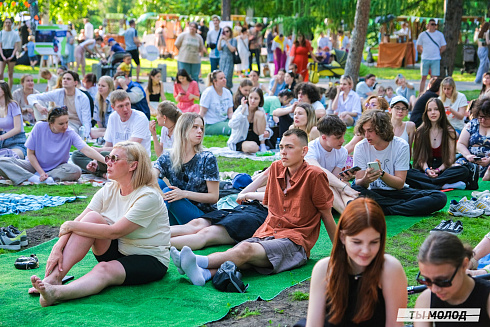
<point>196,274</point>
<point>34,179</point>
<point>175,254</point>
<point>263,148</point>
<point>457,185</point>
<point>49,181</point>
<point>202,261</point>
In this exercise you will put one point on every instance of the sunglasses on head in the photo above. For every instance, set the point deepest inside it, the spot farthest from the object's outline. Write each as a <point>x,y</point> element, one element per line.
<point>440,283</point>
<point>112,158</point>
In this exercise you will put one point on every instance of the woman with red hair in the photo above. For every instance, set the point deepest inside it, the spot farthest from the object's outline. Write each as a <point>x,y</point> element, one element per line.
<point>359,283</point>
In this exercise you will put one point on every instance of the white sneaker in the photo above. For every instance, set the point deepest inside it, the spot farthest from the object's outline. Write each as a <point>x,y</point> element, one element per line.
<point>464,208</point>
<point>476,194</point>
<point>483,204</point>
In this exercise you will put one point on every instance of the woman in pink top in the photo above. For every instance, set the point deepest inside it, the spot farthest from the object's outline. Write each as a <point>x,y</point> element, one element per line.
<point>185,92</point>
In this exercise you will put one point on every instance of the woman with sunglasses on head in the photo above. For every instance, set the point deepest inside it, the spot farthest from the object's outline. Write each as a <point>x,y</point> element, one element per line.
<point>434,153</point>
<point>193,173</point>
<point>125,225</point>
<point>359,284</point>
<point>474,141</point>
<point>227,45</point>
<point>443,261</point>
<point>12,136</point>
<point>48,152</point>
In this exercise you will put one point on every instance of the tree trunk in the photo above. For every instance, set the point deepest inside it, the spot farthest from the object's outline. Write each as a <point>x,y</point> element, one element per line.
<point>225,9</point>
<point>452,26</point>
<point>358,39</point>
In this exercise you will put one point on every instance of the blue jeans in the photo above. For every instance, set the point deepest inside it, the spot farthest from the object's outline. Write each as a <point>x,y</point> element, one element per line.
<point>214,63</point>
<point>182,211</point>
<point>484,63</point>
<point>15,142</point>
<point>192,69</point>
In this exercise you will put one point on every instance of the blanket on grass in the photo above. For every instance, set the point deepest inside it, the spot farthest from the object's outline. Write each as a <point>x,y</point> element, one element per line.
<point>173,301</point>
<point>17,203</point>
<point>228,153</point>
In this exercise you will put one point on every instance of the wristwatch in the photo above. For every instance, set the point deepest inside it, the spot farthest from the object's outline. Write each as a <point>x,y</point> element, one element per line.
<point>382,173</point>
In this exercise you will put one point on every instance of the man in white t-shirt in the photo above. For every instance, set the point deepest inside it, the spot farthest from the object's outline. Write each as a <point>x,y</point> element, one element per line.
<point>431,44</point>
<point>328,153</point>
<point>384,161</point>
<point>125,124</point>
<point>89,29</point>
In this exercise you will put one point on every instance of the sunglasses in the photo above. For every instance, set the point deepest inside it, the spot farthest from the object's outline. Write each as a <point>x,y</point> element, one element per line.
<point>440,283</point>
<point>113,158</point>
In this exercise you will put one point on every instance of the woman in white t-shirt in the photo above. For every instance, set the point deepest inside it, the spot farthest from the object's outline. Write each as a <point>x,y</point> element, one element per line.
<point>9,45</point>
<point>455,103</point>
<point>126,226</point>
<point>216,105</point>
<point>167,116</point>
<point>347,104</point>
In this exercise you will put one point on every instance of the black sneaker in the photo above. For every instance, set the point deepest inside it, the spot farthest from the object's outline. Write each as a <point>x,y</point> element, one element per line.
<point>18,233</point>
<point>8,243</point>
<point>442,226</point>
<point>472,183</point>
<point>456,227</point>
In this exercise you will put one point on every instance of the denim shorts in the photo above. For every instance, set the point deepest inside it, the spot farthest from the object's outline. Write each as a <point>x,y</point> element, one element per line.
<point>433,65</point>
<point>15,142</point>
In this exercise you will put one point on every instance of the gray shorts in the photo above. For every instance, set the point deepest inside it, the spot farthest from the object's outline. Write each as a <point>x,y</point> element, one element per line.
<point>282,253</point>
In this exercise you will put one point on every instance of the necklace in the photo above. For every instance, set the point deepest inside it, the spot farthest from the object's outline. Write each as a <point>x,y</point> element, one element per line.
<point>435,137</point>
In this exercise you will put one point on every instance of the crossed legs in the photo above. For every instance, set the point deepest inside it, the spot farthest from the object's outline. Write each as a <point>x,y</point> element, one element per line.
<point>104,274</point>
<point>198,234</point>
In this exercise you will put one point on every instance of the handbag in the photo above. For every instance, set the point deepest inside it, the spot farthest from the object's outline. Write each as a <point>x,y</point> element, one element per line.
<point>228,279</point>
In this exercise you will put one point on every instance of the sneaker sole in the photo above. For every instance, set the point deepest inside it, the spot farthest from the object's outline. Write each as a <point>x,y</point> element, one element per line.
<point>10,246</point>
<point>460,214</point>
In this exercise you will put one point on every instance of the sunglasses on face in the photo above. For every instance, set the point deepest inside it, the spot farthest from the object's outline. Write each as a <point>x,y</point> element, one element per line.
<point>113,158</point>
<point>440,283</point>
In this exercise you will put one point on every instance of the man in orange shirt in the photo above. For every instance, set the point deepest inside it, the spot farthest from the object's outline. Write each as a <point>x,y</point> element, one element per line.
<point>298,198</point>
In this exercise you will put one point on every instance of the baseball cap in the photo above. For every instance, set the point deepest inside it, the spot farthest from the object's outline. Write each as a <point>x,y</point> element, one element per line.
<point>110,40</point>
<point>397,99</point>
<point>241,180</point>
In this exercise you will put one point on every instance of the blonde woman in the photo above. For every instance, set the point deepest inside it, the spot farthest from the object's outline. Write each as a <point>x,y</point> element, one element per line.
<point>305,119</point>
<point>102,107</point>
<point>455,103</point>
<point>193,173</point>
<point>125,224</point>
<point>347,104</point>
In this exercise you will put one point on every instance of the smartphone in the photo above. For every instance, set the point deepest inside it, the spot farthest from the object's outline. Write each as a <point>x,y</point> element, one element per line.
<point>477,158</point>
<point>351,171</point>
<point>67,279</point>
<point>374,165</point>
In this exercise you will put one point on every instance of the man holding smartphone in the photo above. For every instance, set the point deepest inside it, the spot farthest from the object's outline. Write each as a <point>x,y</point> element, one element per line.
<point>328,153</point>
<point>384,161</point>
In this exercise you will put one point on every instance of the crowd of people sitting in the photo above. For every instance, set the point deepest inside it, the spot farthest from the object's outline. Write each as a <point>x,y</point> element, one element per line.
<point>167,209</point>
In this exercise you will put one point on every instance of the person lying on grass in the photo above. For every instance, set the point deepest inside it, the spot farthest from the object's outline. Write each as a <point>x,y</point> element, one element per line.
<point>298,197</point>
<point>126,225</point>
<point>224,226</point>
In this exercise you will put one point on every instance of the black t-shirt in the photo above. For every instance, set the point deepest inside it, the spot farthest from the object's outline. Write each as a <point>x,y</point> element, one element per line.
<point>24,34</point>
<point>419,107</point>
<point>204,31</point>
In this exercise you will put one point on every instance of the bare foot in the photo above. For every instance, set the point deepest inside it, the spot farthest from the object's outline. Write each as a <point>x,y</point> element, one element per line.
<point>46,290</point>
<point>51,279</point>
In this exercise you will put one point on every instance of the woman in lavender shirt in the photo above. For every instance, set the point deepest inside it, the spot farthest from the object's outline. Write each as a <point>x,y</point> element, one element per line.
<point>48,151</point>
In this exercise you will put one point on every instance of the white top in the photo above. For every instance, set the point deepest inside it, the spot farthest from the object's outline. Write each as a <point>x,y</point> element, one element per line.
<point>461,101</point>
<point>213,37</point>
<point>89,30</point>
<point>144,207</point>
<point>352,104</point>
<point>136,126</point>
<point>82,104</point>
<point>317,105</point>
<point>90,43</point>
<point>327,160</point>
<point>396,157</point>
<point>430,50</point>
<point>52,82</point>
<point>167,141</point>
<point>324,42</point>
<point>8,39</point>
<point>239,126</point>
<point>217,105</point>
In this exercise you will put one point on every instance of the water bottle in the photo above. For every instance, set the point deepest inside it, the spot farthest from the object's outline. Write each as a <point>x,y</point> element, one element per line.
<point>81,132</point>
<point>277,144</point>
<point>271,121</point>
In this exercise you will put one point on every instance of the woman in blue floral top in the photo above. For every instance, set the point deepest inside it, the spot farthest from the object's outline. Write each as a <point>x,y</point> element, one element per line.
<point>193,173</point>
<point>474,141</point>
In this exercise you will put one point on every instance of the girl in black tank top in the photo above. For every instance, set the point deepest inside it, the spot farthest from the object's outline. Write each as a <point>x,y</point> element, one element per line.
<point>443,261</point>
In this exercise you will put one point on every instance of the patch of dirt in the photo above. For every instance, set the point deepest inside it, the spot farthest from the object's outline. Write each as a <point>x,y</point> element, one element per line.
<point>280,311</point>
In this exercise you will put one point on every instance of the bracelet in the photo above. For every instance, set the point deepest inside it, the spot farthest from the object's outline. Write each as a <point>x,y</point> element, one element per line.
<point>438,170</point>
<point>426,169</point>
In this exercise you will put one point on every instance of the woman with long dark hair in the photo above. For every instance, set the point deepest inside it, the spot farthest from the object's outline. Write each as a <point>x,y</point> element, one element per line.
<point>186,91</point>
<point>443,261</point>
<point>434,152</point>
<point>154,90</point>
<point>359,284</point>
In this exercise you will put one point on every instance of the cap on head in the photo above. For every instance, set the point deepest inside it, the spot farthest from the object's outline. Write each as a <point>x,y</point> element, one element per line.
<point>397,99</point>
<point>110,40</point>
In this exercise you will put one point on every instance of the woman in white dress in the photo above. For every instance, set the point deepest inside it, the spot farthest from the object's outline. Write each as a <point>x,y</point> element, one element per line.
<point>243,52</point>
